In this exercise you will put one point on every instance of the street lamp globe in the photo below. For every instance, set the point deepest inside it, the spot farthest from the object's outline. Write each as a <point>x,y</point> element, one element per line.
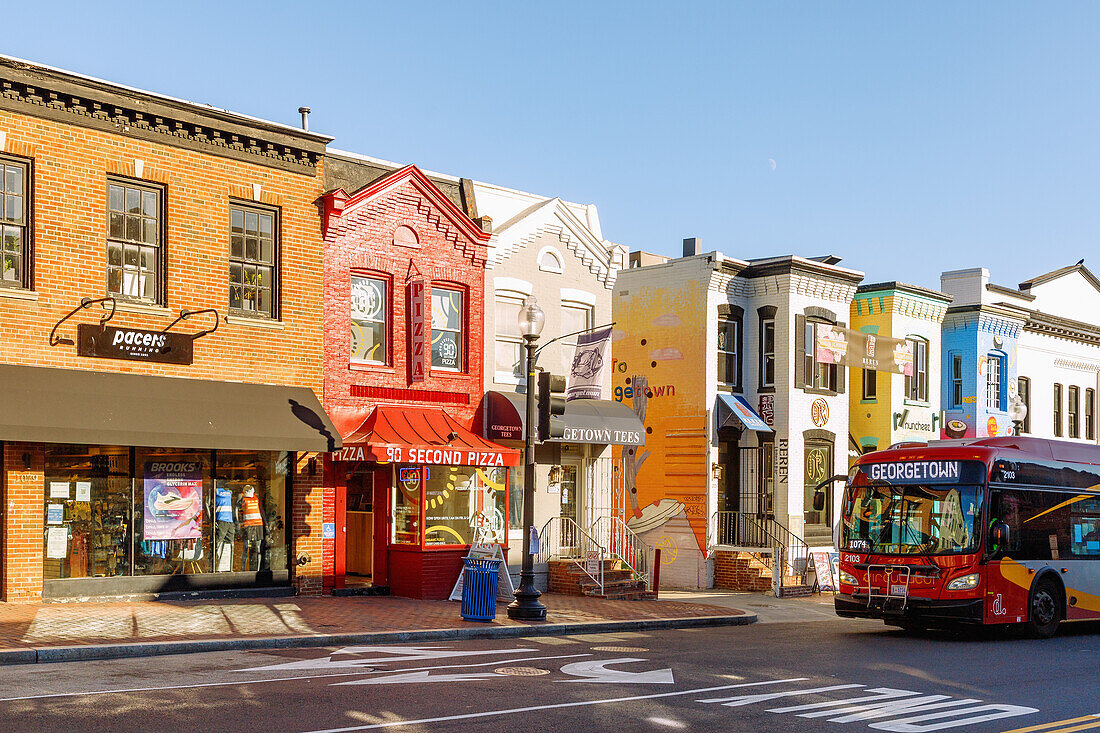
<point>531,318</point>
<point>1017,411</point>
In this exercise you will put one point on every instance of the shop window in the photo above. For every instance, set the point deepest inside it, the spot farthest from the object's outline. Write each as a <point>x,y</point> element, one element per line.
<point>370,308</point>
<point>574,317</point>
<point>508,342</point>
<point>252,483</point>
<point>1023,389</point>
<point>515,497</point>
<point>1073,411</point>
<point>1057,411</point>
<point>727,351</point>
<point>253,265</point>
<point>135,251</point>
<point>1090,414</point>
<point>994,399</point>
<point>448,315</point>
<point>14,230</point>
<point>88,507</point>
<point>170,535</point>
<point>956,380</point>
<point>465,505</point>
<point>407,491</point>
<point>767,352</point>
<point>916,386</point>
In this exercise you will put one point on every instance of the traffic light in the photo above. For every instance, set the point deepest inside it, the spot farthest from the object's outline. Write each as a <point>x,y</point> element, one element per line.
<point>551,405</point>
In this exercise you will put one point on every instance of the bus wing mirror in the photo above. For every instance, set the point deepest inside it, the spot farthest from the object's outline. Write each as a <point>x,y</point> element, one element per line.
<point>819,501</point>
<point>1001,535</point>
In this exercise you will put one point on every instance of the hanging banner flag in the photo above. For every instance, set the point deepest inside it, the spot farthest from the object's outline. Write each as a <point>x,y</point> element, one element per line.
<point>418,359</point>
<point>836,345</point>
<point>588,360</point>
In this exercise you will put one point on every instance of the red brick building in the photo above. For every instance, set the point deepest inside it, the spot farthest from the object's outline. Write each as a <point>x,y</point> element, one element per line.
<point>165,436</point>
<point>403,334</point>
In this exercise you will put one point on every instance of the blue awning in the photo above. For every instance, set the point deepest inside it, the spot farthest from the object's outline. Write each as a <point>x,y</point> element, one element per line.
<point>733,411</point>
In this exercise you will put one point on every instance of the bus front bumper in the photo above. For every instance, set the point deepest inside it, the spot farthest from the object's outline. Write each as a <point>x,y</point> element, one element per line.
<point>891,610</point>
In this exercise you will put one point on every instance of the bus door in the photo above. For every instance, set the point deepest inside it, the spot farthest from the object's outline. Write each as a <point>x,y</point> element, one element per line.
<point>1007,582</point>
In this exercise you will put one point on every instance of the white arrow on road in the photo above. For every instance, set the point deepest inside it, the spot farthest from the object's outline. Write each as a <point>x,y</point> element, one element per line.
<point>403,678</point>
<point>394,654</point>
<point>594,671</point>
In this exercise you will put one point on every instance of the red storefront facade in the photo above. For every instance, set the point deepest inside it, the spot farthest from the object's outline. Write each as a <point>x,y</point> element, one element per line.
<point>404,276</point>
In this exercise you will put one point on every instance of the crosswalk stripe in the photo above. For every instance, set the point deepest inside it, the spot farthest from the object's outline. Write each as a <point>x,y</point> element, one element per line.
<point>1053,727</point>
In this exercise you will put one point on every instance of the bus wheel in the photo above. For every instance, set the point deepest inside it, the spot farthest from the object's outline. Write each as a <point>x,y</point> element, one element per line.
<point>1044,615</point>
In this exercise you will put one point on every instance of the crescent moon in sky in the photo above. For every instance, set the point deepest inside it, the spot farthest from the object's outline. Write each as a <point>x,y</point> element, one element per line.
<point>771,162</point>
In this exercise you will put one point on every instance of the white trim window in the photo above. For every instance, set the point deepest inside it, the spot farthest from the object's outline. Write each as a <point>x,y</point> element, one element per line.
<point>574,317</point>
<point>507,340</point>
<point>916,386</point>
<point>993,382</point>
<point>727,351</point>
<point>767,352</point>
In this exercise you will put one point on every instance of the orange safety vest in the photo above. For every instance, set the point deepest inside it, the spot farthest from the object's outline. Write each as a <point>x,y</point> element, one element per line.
<point>251,516</point>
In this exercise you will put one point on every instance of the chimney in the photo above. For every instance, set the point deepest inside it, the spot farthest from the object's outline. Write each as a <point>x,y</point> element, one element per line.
<point>692,246</point>
<point>304,111</point>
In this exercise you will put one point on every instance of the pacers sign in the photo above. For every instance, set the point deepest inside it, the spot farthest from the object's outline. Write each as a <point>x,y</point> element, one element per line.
<point>134,344</point>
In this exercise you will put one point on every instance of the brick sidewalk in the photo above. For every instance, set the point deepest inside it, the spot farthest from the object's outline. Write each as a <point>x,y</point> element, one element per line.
<point>171,625</point>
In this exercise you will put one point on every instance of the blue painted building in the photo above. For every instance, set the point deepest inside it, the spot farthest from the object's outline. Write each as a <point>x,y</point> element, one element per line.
<point>979,369</point>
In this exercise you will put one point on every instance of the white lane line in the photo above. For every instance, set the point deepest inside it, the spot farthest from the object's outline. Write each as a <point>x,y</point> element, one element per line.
<point>552,706</point>
<point>279,679</point>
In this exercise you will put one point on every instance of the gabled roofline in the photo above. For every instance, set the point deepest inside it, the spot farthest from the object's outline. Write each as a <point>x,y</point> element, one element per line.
<point>1061,272</point>
<point>339,203</point>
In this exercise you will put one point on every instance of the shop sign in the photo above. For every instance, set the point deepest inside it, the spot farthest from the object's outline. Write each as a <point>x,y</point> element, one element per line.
<point>819,412</point>
<point>419,455</point>
<point>601,436</point>
<point>920,422</point>
<point>767,408</point>
<point>837,345</point>
<point>134,344</point>
<point>781,460</point>
<point>418,359</point>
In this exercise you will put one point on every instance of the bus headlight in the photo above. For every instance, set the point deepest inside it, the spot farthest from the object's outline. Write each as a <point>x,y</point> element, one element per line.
<point>847,578</point>
<point>966,582</point>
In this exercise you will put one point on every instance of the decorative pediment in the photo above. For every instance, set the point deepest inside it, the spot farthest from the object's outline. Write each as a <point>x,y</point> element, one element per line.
<point>552,217</point>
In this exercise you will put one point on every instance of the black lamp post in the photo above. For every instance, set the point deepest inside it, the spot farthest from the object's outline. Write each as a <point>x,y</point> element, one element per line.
<point>527,607</point>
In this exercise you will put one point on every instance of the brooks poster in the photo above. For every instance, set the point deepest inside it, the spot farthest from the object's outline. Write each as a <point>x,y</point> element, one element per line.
<point>173,500</point>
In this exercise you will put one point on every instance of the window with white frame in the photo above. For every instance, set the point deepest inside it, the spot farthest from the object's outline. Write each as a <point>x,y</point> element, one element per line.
<point>448,339</point>
<point>508,341</point>
<point>993,382</point>
<point>727,351</point>
<point>370,305</point>
<point>818,374</point>
<point>916,386</point>
<point>574,317</point>
<point>767,352</point>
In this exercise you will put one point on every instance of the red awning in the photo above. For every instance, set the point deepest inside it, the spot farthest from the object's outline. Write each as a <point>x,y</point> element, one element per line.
<point>421,436</point>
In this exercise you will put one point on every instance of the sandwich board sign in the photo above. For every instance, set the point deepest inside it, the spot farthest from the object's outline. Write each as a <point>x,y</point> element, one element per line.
<point>505,589</point>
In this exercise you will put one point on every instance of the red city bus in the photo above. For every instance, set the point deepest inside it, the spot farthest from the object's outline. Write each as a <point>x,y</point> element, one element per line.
<point>978,531</point>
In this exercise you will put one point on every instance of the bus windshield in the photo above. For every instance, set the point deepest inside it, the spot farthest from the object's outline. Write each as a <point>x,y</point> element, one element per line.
<point>912,519</point>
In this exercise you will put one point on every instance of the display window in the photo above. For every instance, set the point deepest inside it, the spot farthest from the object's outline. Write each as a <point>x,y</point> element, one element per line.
<point>456,505</point>
<point>116,511</point>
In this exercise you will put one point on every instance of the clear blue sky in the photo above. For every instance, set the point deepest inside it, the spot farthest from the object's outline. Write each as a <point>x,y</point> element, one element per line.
<point>908,138</point>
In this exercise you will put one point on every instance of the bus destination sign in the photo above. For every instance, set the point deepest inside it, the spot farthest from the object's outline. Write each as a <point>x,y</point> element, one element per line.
<point>915,472</point>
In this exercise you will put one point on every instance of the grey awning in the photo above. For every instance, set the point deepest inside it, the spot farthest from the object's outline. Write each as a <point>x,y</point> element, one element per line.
<point>602,422</point>
<point>106,408</point>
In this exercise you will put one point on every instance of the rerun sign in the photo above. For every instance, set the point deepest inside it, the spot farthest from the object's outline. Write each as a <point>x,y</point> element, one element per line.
<point>134,344</point>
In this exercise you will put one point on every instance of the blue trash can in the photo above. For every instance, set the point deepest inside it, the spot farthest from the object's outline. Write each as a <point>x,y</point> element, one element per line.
<point>479,588</point>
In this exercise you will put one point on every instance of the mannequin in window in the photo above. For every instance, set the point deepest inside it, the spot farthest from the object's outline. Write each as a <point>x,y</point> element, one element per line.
<point>225,527</point>
<point>252,527</point>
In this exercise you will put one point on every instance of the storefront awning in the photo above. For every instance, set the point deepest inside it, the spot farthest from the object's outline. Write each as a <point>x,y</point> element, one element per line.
<point>602,422</point>
<point>733,411</point>
<point>49,405</point>
<point>421,435</point>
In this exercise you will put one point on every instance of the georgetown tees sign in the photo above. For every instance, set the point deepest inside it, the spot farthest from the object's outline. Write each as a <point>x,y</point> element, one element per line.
<point>134,344</point>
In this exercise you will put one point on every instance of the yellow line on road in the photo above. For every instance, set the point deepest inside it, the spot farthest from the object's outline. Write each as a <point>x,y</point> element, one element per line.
<point>1053,727</point>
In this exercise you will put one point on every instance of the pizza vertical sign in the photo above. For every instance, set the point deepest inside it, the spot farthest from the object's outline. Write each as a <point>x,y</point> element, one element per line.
<point>418,358</point>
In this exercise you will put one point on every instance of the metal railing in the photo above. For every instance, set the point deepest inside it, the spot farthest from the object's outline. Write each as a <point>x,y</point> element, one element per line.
<point>741,529</point>
<point>625,545</point>
<point>564,539</point>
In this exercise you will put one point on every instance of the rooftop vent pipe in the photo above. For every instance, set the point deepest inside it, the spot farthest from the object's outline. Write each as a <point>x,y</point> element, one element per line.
<point>305,117</point>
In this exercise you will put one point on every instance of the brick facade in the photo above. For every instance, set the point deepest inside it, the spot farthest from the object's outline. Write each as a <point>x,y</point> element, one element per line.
<point>74,141</point>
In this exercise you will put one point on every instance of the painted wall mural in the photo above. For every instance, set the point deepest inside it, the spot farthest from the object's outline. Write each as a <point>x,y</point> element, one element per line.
<point>659,368</point>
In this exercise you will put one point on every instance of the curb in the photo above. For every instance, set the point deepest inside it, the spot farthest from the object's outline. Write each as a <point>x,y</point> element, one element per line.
<point>153,648</point>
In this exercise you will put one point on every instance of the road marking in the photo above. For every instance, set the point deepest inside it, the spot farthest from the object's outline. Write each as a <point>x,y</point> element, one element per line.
<point>394,654</point>
<point>406,677</point>
<point>274,679</point>
<point>553,706</point>
<point>1094,717</point>
<point>594,671</point>
<point>550,640</point>
<point>738,700</point>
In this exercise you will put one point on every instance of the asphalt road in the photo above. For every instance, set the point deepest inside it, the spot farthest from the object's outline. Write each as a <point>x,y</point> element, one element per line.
<point>831,675</point>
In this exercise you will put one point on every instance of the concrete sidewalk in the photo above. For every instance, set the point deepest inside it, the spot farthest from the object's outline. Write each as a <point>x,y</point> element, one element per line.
<point>766,607</point>
<point>101,630</point>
